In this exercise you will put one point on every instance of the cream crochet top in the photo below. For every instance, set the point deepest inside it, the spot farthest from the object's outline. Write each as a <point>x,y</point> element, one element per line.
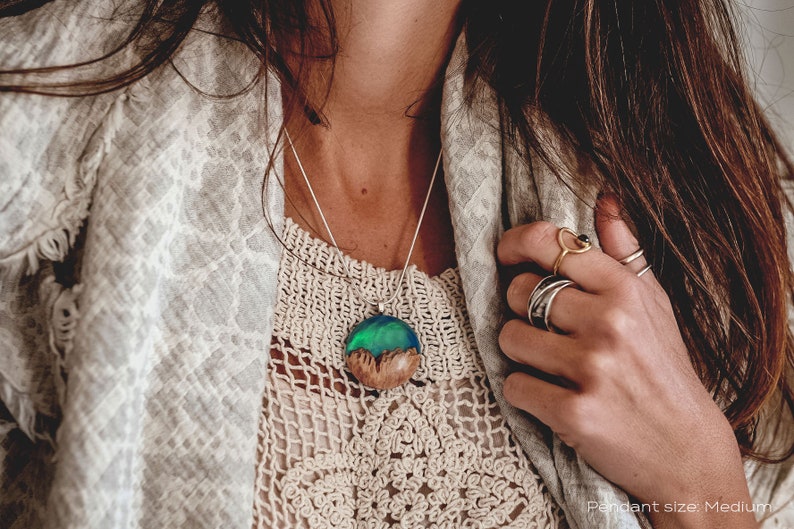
<point>435,452</point>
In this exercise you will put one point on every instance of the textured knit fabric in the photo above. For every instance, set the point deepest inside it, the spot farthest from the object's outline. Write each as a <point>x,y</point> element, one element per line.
<point>132,375</point>
<point>434,452</point>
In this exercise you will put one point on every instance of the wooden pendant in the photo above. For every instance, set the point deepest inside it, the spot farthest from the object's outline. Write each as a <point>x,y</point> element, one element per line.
<point>383,352</point>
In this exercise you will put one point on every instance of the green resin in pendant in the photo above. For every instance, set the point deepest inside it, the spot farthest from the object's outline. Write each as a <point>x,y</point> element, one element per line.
<point>383,352</point>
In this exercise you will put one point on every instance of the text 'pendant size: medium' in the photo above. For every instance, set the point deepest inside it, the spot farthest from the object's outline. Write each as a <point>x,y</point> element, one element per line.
<point>383,352</point>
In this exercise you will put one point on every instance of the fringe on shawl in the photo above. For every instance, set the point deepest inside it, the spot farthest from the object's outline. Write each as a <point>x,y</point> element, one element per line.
<point>54,245</point>
<point>70,213</point>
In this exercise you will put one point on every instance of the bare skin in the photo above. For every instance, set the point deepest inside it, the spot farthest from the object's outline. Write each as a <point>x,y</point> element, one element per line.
<point>371,167</point>
<point>633,408</point>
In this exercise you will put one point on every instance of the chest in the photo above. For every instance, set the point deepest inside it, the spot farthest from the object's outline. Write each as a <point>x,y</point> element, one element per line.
<point>435,450</point>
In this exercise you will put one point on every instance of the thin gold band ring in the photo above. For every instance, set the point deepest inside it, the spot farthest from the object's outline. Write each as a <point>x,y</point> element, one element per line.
<point>582,240</point>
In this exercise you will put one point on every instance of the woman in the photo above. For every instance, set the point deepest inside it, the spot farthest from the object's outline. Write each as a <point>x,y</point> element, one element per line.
<point>160,317</point>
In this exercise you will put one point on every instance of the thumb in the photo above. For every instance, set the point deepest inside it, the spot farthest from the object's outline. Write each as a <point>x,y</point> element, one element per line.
<point>614,233</point>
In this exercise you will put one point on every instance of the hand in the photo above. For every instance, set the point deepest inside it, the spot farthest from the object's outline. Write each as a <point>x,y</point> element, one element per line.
<point>630,402</point>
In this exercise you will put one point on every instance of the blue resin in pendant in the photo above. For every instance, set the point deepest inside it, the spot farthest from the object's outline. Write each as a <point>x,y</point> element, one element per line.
<point>382,352</point>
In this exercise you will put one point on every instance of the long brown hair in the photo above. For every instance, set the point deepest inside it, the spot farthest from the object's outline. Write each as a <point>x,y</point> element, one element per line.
<point>651,95</point>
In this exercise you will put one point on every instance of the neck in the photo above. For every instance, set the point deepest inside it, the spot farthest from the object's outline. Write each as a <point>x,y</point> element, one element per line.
<point>392,56</point>
<point>386,79</point>
<point>371,161</point>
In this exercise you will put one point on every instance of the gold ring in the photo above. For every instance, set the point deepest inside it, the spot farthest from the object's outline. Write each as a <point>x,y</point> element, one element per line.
<point>582,240</point>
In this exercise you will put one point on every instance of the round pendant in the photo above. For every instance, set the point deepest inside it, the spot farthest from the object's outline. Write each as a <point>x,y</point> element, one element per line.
<point>382,352</point>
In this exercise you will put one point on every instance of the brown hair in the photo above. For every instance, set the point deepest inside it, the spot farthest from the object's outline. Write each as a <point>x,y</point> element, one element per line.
<point>653,97</point>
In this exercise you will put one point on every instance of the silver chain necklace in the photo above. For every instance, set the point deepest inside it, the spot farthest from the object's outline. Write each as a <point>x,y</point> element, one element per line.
<point>382,351</point>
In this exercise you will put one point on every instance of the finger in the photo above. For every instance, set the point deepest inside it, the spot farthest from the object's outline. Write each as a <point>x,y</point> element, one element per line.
<point>551,353</point>
<point>614,233</point>
<point>571,309</point>
<point>593,270</point>
<point>539,398</point>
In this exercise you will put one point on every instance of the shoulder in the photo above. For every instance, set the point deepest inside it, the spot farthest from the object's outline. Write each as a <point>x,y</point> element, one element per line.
<point>207,98</point>
<point>195,130</point>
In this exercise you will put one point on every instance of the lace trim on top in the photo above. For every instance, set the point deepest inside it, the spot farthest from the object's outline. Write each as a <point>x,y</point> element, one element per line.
<point>434,452</point>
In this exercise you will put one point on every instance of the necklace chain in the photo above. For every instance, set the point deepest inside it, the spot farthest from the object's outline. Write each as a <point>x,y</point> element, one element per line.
<point>380,303</point>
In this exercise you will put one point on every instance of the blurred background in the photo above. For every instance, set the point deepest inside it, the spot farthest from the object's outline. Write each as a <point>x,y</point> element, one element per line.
<point>767,31</point>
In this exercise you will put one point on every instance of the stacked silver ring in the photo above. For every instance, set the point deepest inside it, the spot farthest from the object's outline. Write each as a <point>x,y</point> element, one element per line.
<point>539,304</point>
<point>633,257</point>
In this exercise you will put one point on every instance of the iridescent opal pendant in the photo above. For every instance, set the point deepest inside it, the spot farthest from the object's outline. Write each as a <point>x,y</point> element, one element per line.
<point>383,352</point>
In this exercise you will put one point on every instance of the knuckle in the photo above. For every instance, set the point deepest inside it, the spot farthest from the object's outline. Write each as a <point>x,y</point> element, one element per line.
<point>519,288</point>
<point>514,288</point>
<point>578,417</point>
<point>508,334</point>
<point>537,234</point>
<point>598,365</point>
<point>616,324</point>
